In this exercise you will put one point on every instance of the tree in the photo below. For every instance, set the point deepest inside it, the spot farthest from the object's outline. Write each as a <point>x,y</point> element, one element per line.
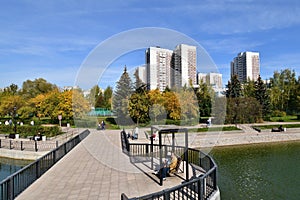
<point>157,110</point>
<point>139,106</point>
<point>234,88</point>
<point>243,110</point>
<point>204,95</point>
<point>107,97</point>
<point>37,103</point>
<point>262,96</point>
<point>121,97</point>
<point>249,89</point>
<point>294,102</point>
<point>80,105</point>
<point>10,90</point>
<point>172,105</point>
<point>188,105</point>
<point>31,89</point>
<point>282,86</point>
<point>11,104</point>
<point>93,95</point>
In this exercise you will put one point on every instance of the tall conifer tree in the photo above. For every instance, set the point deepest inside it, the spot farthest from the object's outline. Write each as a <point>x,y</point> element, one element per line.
<point>121,96</point>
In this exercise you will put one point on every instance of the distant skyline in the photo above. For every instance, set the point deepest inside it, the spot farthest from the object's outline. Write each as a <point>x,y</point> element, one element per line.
<point>51,39</point>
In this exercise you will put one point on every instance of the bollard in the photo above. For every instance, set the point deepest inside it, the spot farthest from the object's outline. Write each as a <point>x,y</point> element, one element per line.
<point>10,144</point>
<point>22,146</point>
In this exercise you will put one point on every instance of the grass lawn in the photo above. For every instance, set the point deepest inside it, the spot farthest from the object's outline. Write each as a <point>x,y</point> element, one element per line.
<point>264,127</point>
<point>225,128</point>
<point>288,118</point>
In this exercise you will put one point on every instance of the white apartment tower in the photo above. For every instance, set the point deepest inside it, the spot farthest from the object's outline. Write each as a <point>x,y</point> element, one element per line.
<point>158,68</point>
<point>215,80</point>
<point>246,66</point>
<point>184,66</point>
<point>212,79</point>
<point>141,71</point>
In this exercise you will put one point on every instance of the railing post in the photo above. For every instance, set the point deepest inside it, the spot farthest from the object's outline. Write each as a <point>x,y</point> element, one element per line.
<point>37,169</point>
<point>166,194</point>
<point>10,144</point>
<point>10,188</point>
<point>35,145</point>
<point>21,145</point>
<point>151,152</point>
<point>215,178</point>
<point>0,143</point>
<point>56,143</point>
<point>200,194</point>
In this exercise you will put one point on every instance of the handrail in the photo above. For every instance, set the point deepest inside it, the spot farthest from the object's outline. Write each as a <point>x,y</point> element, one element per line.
<point>200,187</point>
<point>16,183</point>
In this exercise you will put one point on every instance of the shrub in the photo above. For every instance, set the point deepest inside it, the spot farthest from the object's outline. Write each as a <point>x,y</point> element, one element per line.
<point>28,130</point>
<point>278,113</point>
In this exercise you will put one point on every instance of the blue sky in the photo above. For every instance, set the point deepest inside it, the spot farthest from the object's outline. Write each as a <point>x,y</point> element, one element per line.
<point>51,39</point>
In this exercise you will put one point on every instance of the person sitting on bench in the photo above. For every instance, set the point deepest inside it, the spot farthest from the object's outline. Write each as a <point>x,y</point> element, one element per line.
<point>173,163</point>
<point>168,166</point>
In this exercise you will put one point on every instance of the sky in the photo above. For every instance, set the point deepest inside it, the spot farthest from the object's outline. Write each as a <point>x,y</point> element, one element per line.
<point>53,39</point>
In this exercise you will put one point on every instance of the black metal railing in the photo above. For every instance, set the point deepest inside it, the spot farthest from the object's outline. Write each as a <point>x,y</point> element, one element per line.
<point>201,186</point>
<point>13,185</point>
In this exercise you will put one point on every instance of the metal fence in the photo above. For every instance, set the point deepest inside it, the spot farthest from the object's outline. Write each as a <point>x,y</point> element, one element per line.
<point>201,186</point>
<point>13,185</point>
<point>34,145</point>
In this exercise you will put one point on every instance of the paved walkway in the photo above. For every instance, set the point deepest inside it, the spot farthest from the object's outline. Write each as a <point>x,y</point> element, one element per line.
<point>94,169</point>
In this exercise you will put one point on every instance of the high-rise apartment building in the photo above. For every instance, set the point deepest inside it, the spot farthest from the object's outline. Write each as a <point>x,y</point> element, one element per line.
<point>212,79</point>
<point>246,66</point>
<point>184,66</point>
<point>176,68</point>
<point>158,68</point>
<point>141,72</point>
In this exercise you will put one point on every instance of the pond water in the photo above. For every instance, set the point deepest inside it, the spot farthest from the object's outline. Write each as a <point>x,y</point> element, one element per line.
<point>9,166</point>
<point>264,171</point>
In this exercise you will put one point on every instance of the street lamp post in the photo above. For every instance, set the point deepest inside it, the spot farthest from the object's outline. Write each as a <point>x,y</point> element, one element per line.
<point>15,123</point>
<point>13,120</point>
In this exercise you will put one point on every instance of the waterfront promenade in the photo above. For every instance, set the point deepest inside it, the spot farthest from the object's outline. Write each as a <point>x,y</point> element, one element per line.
<point>95,169</point>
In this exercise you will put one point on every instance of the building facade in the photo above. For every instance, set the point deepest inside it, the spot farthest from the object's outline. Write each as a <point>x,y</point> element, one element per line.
<point>158,68</point>
<point>184,66</point>
<point>246,66</point>
<point>141,72</point>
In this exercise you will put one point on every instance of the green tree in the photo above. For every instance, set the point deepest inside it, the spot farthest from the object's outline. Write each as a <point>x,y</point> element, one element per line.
<point>263,97</point>
<point>139,106</point>
<point>10,90</point>
<point>294,102</point>
<point>204,95</point>
<point>234,88</point>
<point>93,95</point>
<point>282,86</point>
<point>249,89</point>
<point>107,97</point>
<point>31,89</point>
<point>121,96</point>
<point>243,110</point>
